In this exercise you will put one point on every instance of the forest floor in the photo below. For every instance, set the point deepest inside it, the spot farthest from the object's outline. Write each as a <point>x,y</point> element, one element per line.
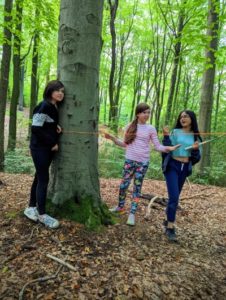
<point>120,262</point>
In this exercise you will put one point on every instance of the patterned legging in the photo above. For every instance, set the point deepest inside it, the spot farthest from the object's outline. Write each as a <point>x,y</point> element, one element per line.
<point>132,169</point>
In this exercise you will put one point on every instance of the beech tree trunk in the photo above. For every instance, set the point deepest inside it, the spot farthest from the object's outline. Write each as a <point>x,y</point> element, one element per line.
<point>74,187</point>
<point>4,76</point>
<point>176,60</point>
<point>113,112</point>
<point>34,78</point>
<point>206,105</point>
<point>16,77</point>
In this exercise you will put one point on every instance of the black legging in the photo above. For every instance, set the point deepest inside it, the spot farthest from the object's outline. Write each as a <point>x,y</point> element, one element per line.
<point>42,159</point>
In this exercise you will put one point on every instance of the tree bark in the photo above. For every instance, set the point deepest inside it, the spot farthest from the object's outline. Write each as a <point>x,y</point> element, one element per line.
<point>4,78</point>
<point>176,60</point>
<point>206,105</point>
<point>21,89</point>
<point>74,186</point>
<point>217,104</point>
<point>113,108</point>
<point>16,77</point>
<point>34,78</point>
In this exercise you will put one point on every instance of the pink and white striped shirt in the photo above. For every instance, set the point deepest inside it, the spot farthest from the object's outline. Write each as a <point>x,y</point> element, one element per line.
<point>139,149</point>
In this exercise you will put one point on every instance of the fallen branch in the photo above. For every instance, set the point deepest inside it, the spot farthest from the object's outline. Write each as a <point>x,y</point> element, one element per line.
<point>62,262</point>
<point>41,279</point>
<point>32,232</point>
<point>149,207</point>
<point>159,200</point>
<point>196,195</point>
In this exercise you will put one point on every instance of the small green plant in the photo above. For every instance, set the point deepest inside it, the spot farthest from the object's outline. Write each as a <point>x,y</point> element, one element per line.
<point>111,159</point>
<point>18,161</point>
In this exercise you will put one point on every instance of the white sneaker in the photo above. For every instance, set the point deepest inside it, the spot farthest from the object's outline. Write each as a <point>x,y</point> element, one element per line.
<point>48,221</point>
<point>131,220</point>
<point>119,210</point>
<point>31,213</point>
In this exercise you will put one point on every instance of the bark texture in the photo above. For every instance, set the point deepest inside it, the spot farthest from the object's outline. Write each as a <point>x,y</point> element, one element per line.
<point>4,76</point>
<point>16,76</point>
<point>74,182</point>
<point>206,105</point>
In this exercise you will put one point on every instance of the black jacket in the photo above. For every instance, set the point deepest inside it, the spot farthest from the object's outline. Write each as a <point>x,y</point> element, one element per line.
<point>44,126</point>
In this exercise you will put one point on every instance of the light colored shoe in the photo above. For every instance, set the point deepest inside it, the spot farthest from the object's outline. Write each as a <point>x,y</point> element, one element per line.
<point>131,220</point>
<point>48,221</point>
<point>118,210</point>
<point>31,213</point>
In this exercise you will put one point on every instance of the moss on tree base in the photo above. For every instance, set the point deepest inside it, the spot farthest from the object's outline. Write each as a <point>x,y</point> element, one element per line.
<point>83,212</point>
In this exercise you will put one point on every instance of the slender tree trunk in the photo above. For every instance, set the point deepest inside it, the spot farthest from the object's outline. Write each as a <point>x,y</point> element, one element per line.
<point>34,78</point>
<point>149,67</point>
<point>176,106</point>
<point>206,105</point>
<point>16,77</point>
<point>4,78</point>
<point>21,89</point>
<point>113,108</point>
<point>176,60</point>
<point>74,186</point>
<point>219,86</point>
<point>137,83</point>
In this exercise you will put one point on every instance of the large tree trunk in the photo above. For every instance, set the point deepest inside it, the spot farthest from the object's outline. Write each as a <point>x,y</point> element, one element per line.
<point>4,77</point>
<point>206,105</point>
<point>74,186</point>
<point>16,77</point>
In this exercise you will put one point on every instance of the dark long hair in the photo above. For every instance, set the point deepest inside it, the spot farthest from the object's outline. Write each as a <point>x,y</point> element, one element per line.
<point>194,123</point>
<point>52,86</point>
<point>130,134</point>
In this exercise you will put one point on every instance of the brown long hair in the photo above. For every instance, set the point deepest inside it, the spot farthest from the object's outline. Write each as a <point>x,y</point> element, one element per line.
<point>130,134</point>
<point>53,85</point>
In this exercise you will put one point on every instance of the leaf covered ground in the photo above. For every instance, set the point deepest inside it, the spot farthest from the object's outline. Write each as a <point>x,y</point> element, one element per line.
<point>120,262</point>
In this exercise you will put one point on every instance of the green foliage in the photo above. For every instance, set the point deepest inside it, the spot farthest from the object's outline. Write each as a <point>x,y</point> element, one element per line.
<point>214,175</point>
<point>111,161</point>
<point>18,161</point>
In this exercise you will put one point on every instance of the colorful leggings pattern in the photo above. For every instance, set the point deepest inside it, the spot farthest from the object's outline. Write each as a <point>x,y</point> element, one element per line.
<point>132,169</point>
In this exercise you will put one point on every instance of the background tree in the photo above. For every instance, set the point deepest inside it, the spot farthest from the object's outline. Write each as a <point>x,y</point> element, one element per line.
<point>4,78</point>
<point>16,74</point>
<point>206,104</point>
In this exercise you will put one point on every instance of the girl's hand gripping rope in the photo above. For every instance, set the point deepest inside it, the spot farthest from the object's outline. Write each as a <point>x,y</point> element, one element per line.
<point>172,148</point>
<point>109,136</point>
<point>195,146</point>
<point>117,141</point>
<point>59,129</point>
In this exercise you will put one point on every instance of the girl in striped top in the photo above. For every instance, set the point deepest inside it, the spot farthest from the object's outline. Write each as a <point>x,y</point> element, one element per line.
<point>138,136</point>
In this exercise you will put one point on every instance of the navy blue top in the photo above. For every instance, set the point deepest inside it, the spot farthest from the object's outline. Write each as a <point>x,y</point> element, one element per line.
<point>44,126</point>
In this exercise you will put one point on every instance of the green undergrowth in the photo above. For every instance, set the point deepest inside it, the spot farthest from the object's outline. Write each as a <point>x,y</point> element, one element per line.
<point>84,213</point>
<point>19,161</point>
<point>111,161</point>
